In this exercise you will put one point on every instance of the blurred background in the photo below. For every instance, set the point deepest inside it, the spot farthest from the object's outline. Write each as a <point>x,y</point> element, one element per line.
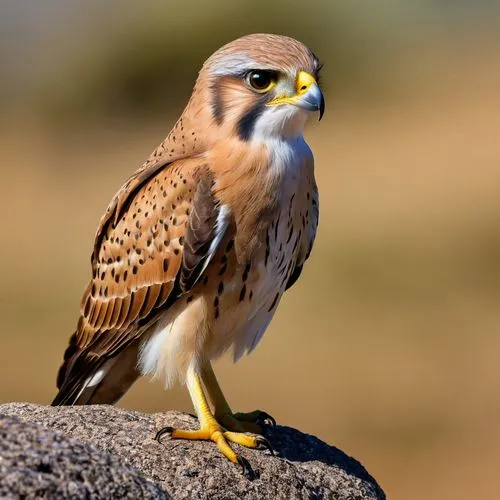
<point>388,346</point>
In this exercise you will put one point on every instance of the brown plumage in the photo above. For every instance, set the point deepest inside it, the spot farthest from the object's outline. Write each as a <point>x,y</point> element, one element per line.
<point>196,249</point>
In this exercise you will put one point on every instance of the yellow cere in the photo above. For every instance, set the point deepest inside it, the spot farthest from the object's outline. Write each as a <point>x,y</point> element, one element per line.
<point>302,84</point>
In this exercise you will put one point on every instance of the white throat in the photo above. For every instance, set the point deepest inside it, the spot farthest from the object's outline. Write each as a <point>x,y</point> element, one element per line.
<point>284,122</point>
<point>287,156</point>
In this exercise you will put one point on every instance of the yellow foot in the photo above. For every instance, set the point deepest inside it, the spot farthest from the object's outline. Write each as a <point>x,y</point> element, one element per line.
<point>253,421</point>
<point>221,437</point>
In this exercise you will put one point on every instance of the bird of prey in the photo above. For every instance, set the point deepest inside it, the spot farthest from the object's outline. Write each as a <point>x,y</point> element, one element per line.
<point>196,249</point>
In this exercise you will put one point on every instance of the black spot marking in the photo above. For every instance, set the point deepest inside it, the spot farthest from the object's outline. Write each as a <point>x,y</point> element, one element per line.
<point>274,302</point>
<point>246,271</point>
<point>296,242</point>
<point>243,293</point>
<point>266,258</point>
<point>276,227</point>
<point>165,265</point>
<point>224,265</point>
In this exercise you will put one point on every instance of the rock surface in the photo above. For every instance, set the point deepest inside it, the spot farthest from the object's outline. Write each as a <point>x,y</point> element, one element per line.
<point>36,462</point>
<point>106,452</point>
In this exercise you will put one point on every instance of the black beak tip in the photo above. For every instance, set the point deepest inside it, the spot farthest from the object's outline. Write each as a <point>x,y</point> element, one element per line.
<point>321,108</point>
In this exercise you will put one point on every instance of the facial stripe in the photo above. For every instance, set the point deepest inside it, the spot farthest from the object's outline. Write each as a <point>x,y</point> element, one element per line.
<point>217,104</point>
<point>246,124</point>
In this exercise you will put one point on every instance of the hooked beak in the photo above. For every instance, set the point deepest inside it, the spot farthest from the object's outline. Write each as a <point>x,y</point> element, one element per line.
<point>309,95</point>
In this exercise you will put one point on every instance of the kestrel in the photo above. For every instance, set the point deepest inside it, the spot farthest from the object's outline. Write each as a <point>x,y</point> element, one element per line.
<point>198,246</point>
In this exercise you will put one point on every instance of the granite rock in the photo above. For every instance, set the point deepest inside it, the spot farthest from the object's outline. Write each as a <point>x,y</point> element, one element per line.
<point>107,452</point>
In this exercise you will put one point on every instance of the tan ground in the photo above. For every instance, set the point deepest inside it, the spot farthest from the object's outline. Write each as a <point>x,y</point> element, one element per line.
<point>388,347</point>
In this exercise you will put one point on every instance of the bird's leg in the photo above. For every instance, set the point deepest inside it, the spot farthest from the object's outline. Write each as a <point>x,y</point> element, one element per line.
<point>240,422</point>
<point>210,429</point>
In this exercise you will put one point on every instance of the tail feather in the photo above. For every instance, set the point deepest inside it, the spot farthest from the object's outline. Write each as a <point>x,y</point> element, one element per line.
<point>84,379</point>
<point>73,387</point>
<point>69,358</point>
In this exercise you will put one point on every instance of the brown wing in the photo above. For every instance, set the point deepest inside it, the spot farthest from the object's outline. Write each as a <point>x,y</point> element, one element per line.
<point>152,244</point>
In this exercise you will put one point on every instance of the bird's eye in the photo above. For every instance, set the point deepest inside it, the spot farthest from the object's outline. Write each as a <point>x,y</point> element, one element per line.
<point>261,80</point>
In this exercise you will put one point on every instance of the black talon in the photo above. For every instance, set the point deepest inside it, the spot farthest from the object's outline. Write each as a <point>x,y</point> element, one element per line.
<point>247,468</point>
<point>272,420</point>
<point>263,443</point>
<point>161,432</point>
<point>265,418</point>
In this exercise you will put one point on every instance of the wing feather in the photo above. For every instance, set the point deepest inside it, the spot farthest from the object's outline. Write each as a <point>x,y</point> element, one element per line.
<point>154,242</point>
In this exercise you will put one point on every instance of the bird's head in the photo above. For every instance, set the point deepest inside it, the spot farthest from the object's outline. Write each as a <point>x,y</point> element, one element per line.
<point>262,86</point>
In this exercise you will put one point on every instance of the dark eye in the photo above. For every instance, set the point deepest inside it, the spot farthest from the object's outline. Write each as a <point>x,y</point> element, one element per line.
<point>261,80</point>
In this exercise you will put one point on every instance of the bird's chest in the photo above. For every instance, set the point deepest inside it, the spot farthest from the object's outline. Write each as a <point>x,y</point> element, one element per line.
<point>268,242</point>
<point>282,234</point>
<point>281,243</point>
<point>270,271</point>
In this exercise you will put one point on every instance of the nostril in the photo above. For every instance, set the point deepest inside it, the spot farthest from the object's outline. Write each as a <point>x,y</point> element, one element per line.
<point>304,87</point>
